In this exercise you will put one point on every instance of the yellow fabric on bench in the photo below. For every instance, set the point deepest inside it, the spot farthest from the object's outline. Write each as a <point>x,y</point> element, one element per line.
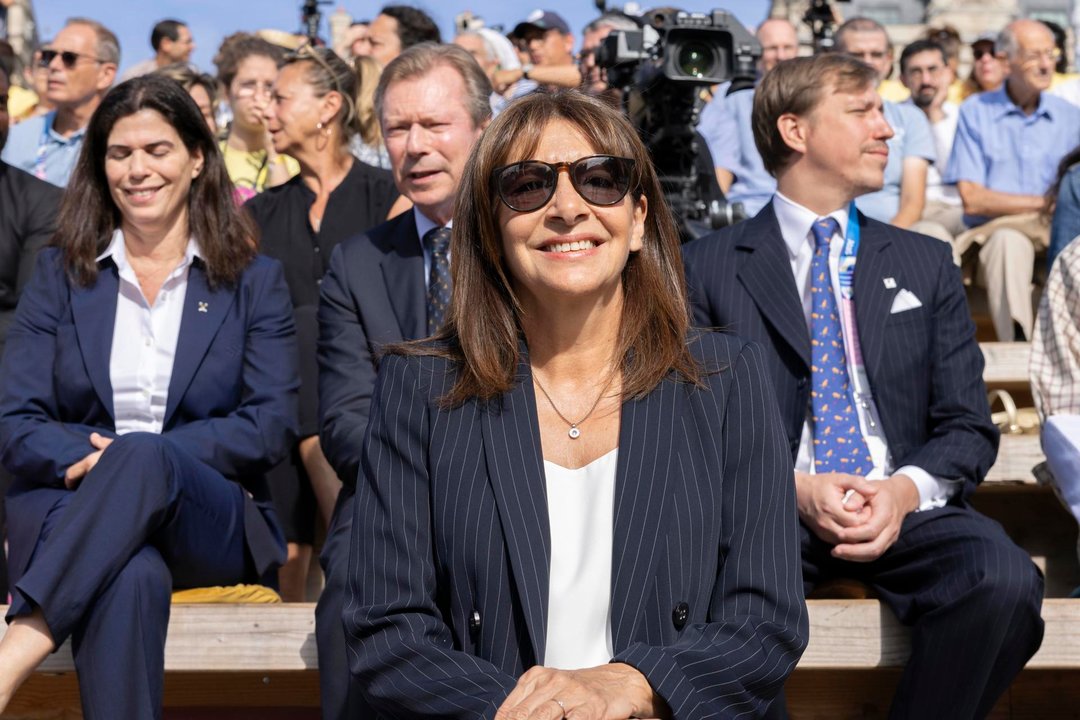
<point>230,594</point>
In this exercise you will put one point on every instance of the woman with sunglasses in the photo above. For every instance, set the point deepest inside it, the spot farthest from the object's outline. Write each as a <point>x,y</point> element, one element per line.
<point>247,67</point>
<point>570,504</point>
<point>149,381</point>
<point>311,116</point>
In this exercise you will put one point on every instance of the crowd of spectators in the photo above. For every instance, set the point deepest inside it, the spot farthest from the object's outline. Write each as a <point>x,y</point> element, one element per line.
<point>348,167</point>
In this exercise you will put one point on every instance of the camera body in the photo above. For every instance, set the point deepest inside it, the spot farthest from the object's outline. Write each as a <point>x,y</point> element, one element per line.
<point>660,72</point>
<point>686,48</point>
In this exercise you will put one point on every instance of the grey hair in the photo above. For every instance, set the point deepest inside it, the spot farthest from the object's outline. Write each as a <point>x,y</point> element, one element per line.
<point>489,48</point>
<point>613,20</point>
<point>1006,43</point>
<point>421,59</point>
<point>861,24</point>
<point>108,47</point>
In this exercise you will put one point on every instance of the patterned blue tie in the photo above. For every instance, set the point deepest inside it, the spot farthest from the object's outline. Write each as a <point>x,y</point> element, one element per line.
<point>437,244</point>
<point>838,442</point>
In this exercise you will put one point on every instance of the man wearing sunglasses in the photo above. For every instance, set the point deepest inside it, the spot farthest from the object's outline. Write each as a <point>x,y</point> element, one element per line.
<point>81,63</point>
<point>389,285</point>
<point>872,355</point>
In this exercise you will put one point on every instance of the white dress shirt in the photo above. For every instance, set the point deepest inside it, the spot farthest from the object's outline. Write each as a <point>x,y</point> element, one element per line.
<point>795,223</point>
<point>144,341</point>
<point>944,132</point>
<point>581,517</point>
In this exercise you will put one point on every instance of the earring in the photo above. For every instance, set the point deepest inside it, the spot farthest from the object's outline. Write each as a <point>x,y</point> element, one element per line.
<point>319,125</point>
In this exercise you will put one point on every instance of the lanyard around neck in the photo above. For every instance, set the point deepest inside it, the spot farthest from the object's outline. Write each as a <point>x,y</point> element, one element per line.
<point>846,266</point>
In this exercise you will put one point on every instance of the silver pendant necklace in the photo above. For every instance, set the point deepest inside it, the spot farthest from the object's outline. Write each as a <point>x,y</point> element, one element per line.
<point>574,432</point>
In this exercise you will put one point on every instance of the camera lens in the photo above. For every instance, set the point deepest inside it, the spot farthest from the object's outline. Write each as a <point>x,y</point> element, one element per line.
<point>697,59</point>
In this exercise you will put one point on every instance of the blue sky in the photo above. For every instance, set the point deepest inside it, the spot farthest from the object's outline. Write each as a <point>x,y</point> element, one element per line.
<point>211,20</point>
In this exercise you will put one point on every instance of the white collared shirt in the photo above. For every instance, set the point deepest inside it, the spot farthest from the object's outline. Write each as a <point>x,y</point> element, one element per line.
<point>144,341</point>
<point>795,223</point>
<point>423,225</point>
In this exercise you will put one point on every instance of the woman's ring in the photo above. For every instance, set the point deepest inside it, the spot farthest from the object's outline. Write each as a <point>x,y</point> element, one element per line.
<point>560,704</point>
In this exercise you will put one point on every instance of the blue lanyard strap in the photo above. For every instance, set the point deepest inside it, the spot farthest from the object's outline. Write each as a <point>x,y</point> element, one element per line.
<point>43,146</point>
<point>846,267</point>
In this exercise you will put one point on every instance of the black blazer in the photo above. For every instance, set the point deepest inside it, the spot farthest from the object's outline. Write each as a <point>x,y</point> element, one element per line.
<point>448,587</point>
<point>373,294</point>
<point>28,208</point>
<point>924,366</point>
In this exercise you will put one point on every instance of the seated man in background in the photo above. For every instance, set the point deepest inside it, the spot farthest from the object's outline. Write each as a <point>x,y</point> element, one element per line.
<point>901,199</point>
<point>726,125</point>
<point>871,351</point>
<point>925,71</point>
<point>1055,375</point>
<point>1005,156</point>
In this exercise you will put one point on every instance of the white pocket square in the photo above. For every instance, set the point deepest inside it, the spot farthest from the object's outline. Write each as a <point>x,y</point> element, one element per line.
<point>904,300</point>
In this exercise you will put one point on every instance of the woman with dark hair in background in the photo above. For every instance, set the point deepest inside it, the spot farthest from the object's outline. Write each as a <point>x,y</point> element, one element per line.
<point>311,115</point>
<point>200,86</point>
<point>569,503</point>
<point>148,383</point>
<point>247,67</point>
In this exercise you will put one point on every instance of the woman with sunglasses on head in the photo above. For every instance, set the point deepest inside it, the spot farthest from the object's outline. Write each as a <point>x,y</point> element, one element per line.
<point>149,381</point>
<point>311,115</point>
<point>570,504</point>
<point>247,67</point>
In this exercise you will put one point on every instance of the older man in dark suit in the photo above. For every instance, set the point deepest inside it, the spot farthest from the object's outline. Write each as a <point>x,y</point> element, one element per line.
<point>28,209</point>
<point>873,357</point>
<point>389,285</point>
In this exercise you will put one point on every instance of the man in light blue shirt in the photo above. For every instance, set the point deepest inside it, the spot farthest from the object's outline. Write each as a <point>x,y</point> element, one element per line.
<point>1008,145</point>
<point>82,63</point>
<point>725,125</point>
<point>901,199</point>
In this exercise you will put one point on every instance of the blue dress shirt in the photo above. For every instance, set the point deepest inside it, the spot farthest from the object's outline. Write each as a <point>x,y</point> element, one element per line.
<point>60,153</point>
<point>1001,148</point>
<point>728,131</point>
<point>912,137</point>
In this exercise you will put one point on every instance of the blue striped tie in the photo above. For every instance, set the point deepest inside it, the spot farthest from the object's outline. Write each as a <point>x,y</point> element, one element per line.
<point>838,442</point>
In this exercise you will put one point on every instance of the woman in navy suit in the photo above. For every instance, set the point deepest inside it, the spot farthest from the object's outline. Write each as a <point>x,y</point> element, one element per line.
<point>569,505</point>
<point>149,380</point>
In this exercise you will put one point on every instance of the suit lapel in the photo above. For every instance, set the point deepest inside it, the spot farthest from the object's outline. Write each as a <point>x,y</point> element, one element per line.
<point>765,272</point>
<point>515,465</point>
<point>872,299</point>
<point>204,311</point>
<point>647,449</point>
<point>94,311</point>
<point>403,272</point>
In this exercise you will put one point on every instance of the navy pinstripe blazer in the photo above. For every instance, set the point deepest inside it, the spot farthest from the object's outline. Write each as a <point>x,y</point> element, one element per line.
<point>447,602</point>
<point>924,366</point>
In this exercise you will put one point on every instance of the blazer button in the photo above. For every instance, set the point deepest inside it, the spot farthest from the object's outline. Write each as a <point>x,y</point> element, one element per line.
<point>802,383</point>
<point>474,622</point>
<point>680,615</point>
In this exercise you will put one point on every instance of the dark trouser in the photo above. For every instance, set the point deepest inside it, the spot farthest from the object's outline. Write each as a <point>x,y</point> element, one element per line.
<point>973,601</point>
<point>340,695</point>
<point>146,519</point>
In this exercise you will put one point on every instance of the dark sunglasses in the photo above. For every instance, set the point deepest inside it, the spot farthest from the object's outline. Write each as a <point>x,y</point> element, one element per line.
<point>67,57</point>
<point>528,185</point>
<point>980,52</point>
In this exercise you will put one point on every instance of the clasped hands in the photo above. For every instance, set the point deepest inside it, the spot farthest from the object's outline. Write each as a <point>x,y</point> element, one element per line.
<point>615,691</point>
<point>77,471</point>
<point>866,524</point>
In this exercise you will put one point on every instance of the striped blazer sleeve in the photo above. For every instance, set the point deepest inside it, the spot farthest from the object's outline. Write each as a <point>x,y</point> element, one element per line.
<point>735,663</point>
<point>400,648</point>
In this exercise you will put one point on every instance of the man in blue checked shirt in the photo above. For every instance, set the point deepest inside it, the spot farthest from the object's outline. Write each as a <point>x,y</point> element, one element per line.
<point>1008,145</point>
<point>82,63</point>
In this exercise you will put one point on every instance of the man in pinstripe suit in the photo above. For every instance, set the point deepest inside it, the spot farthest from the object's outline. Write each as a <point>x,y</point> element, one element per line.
<point>911,378</point>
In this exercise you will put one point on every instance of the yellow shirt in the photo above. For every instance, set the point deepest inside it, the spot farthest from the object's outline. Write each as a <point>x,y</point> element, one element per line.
<point>21,102</point>
<point>893,91</point>
<point>249,170</point>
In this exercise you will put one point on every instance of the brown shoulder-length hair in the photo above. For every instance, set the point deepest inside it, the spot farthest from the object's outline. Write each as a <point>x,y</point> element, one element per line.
<point>484,323</point>
<point>88,215</point>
